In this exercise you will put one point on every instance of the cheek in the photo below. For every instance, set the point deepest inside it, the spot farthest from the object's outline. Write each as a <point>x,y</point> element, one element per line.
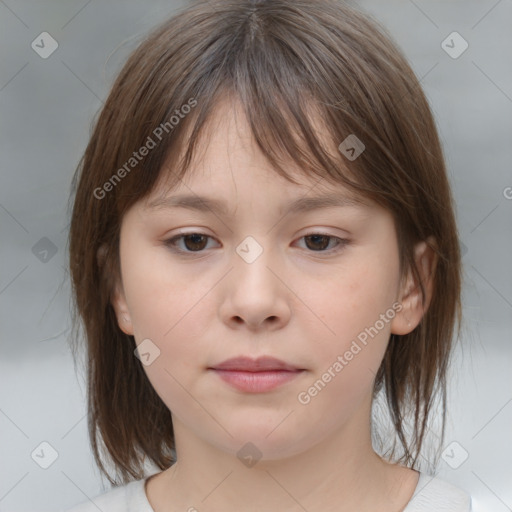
<point>173,309</point>
<point>356,306</point>
<point>348,360</point>
<point>161,299</point>
<point>359,295</point>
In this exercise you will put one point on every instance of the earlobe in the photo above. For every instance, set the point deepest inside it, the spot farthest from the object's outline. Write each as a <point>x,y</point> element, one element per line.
<point>101,255</point>
<point>117,300</point>
<point>414,306</point>
<point>122,313</point>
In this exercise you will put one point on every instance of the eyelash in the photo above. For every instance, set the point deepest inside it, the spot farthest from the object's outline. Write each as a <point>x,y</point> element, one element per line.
<point>170,243</point>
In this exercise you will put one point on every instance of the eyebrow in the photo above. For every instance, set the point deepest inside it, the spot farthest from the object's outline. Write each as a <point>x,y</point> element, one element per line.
<point>218,206</point>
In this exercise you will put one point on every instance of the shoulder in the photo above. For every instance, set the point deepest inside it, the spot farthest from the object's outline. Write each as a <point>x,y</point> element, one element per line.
<point>434,494</point>
<point>125,498</point>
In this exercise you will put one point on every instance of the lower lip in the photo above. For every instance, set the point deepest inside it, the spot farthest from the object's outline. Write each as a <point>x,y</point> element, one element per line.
<point>257,382</point>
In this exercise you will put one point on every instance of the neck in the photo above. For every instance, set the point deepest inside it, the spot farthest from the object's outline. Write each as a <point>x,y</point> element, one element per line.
<point>339,473</point>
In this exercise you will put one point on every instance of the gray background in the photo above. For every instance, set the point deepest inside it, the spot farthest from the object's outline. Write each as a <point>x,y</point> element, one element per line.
<point>46,110</point>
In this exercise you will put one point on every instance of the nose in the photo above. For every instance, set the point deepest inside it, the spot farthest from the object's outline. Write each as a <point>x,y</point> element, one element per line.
<point>256,296</point>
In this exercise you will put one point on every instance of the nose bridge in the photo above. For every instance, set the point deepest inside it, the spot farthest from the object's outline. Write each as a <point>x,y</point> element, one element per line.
<point>254,293</point>
<point>253,260</point>
<point>250,250</point>
<point>254,290</point>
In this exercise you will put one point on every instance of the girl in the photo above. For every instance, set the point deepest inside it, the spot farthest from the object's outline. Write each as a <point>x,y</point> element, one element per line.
<point>263,244</point>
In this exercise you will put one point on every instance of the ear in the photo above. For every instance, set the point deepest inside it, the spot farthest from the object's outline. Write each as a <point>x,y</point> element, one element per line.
<point>413,306</point>
<point>117,297</point>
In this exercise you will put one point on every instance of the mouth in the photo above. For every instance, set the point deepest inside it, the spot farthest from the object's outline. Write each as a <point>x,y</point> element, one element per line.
<point>256,375</point>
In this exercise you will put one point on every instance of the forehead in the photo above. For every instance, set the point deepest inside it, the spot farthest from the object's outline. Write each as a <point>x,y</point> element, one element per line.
<point>227,155</point>
<point>214,185</point>
<point>220,189</point>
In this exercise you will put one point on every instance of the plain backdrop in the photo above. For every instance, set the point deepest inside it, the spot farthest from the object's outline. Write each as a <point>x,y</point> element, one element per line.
<point>47,106</point>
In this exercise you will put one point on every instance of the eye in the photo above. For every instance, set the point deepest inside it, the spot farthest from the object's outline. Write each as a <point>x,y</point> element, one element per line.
<point>196,242</point>
<point>318,242</point>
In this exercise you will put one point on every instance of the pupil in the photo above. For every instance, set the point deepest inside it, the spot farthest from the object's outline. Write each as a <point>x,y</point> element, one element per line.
<point>315,239</point>
<point>195,241</point>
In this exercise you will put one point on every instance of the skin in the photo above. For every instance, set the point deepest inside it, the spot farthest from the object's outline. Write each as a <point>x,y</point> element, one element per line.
<point>295,303</point>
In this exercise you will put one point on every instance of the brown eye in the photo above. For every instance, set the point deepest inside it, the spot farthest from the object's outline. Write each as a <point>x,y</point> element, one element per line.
<point>192,242</point>
<point>317,242</point>
<point>195,242</point>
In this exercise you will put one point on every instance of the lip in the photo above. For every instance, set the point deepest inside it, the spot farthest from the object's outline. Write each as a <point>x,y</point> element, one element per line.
<point>261,364</point>
<point>256,375</point>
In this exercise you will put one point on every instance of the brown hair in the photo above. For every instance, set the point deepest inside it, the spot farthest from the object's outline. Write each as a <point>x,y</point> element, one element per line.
<point>284,60</point>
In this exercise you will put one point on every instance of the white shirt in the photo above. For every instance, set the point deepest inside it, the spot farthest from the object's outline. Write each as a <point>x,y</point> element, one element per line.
<point>431,495</point>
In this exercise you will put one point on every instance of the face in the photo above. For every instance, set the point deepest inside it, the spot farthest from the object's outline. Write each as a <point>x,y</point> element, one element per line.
<point>315,288</point>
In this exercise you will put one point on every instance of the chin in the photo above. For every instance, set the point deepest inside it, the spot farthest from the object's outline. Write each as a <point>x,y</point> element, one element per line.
<point>259,441</point>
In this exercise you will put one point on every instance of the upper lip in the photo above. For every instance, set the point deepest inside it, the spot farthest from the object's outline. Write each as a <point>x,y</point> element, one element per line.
<point>261,364</point>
